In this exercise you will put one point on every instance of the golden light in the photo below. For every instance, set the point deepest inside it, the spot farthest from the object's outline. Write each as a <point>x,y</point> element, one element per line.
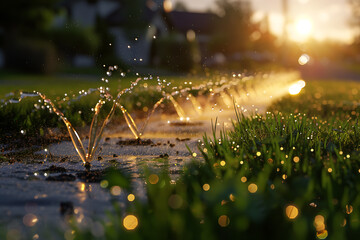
<point>303,59</point>
<point>81,186</point>
<point>252,188</point>
<point>130,222</point>
<point>224,221</point>
<point>131,197</point>
<point>319,223</point>
<point>30,220</point>
<point>168,5</point>
<point>104,184</point>
<point>243,179</point>
<point>153,179</point>
<point>232,197</point>
<point>322,234</point>
<point>296,87</point>
<point>190,35</point>
<point>115,191</point>
<point>304,27</point>
<point>206,187</point>
<point>349,209</point>
<point>291,212</point>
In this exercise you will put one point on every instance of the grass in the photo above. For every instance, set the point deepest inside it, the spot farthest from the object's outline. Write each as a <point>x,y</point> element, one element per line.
<point>275,176</point>
<point>34,119</point>
<point>56,85</point>
<point>293,173</point>
<point>29,117</point>
<point>326,99</point>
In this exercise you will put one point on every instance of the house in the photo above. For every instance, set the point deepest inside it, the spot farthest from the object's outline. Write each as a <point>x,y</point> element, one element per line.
<point>133,44</point>
<point>194,26</point>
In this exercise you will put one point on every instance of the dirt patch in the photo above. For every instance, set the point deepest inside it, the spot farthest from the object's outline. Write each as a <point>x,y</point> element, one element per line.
<point>135,142</point>
<point>62,178</point>
<point>178,123</point>
<point>182,139</point>
<point>93,176</point>
<point>54,169</point>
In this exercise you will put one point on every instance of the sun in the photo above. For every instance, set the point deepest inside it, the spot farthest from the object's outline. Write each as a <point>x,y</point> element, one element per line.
<point>304,27</point>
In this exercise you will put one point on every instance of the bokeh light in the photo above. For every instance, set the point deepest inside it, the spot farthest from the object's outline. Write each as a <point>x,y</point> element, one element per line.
<point>319,223</point>
<point>224,221</point>
<point>295,88</point>
<point>303,26</point>
<point>130,222</point>
<point>322,234</point>
<point>349,209</point>
<point>167,6</point>
<point>291,212</point>
<point>206,187</point>
<point>115,190</point>
<point>252,188</point>
<point>131,197</point>
<point>153,179</point>
<point>30,220</point>
<point>304,59</point>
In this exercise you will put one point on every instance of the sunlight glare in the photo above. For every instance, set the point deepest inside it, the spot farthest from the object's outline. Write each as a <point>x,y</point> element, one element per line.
<point>304,59</point>
<point>304,26</point>
<point>296,87</point>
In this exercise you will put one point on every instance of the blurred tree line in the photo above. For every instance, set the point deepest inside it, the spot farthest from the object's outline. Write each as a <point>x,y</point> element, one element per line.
<point>355,22</point>
<point>242,40</point>
<point>32,43</point>
<point>22,23</point>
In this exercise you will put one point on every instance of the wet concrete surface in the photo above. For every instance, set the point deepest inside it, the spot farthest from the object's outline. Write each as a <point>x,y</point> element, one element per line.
<point>26,192</point>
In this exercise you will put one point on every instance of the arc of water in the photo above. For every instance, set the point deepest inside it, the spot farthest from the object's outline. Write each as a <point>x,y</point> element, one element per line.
<point>196,104</point>
<point>157,104</point>
<point>177,107</point>
<point>72,132</point>
<point>94,134</point>
<point>130,122</point>
<point>93,145</point>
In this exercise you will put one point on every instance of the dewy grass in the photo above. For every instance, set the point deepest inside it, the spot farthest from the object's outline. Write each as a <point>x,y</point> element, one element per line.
<point>96,127</point>
<point>328,100</point>
<point>274,176</point>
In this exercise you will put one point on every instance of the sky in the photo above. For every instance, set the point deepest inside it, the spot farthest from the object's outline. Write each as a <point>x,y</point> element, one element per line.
<point>320,19</point>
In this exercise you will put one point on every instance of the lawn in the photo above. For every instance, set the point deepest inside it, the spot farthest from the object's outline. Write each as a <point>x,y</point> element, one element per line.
<point>55,85</point>
<point>70,93</point>
<point>292,173</point>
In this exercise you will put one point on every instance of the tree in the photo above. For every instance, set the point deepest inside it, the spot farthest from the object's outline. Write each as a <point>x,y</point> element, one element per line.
<point>24,17</point>
<point>135,21</point>
<point>261,37</point>
<point>180,6</point>
<point>24,24</point>
<point>355,20</point>
<point>234,28</point>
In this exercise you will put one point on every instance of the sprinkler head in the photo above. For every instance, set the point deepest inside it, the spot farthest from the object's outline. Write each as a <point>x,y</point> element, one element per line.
<point>87,166</point>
